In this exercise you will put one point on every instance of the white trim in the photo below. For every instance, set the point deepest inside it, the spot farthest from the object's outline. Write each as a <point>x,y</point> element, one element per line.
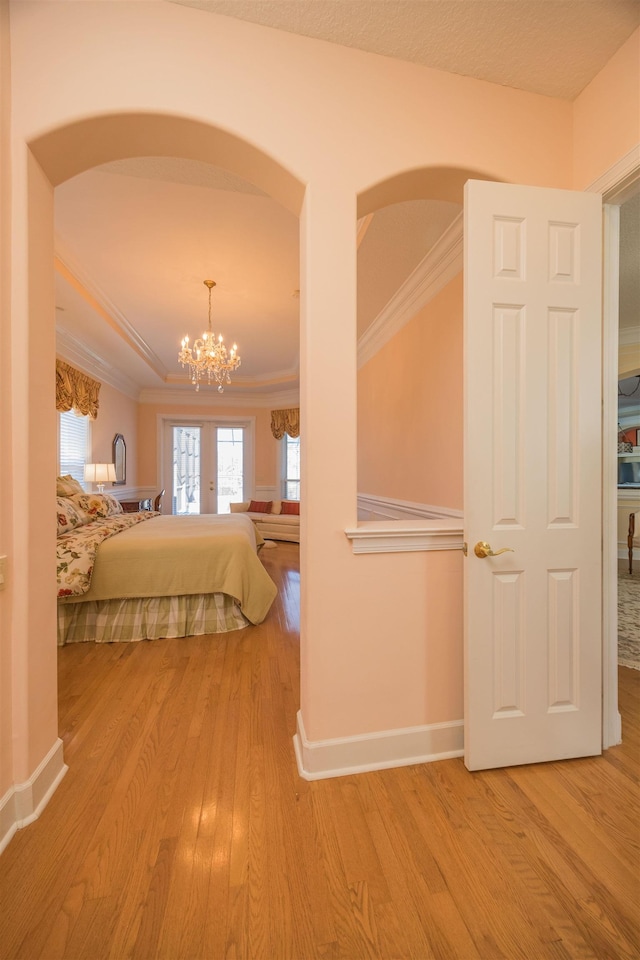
<point>24,802</point>
<point>209,397</point>
<point>441,264</point>
<point>266,492</point>
<point>386,525</point>
<point>405,536</point>
<point>611,721</point>
<point>133,493</point>
<point>371,507</point>
<point>618,182</point>
<point>321,759</point>
<point>274,378</point>
<point>118,321</point>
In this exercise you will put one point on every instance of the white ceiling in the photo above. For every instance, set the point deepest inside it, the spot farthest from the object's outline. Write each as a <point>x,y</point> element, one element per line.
<point>137,238</point>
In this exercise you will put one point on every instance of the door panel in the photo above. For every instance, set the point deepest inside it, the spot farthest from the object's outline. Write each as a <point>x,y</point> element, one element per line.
<point>532,474</point>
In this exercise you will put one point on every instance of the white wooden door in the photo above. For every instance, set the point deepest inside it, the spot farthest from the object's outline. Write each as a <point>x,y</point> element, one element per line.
<point>532,453</point>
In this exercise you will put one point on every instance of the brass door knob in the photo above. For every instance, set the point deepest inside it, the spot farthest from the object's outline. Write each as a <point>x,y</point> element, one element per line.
<point>482,549</point>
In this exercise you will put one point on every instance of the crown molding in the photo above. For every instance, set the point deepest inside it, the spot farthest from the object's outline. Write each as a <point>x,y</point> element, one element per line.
<point>280,378</point>
<point>441,264</point>
<point>73,273</point>
<point>75,352</point>
<point>209,397</point>
<point>622,177</point>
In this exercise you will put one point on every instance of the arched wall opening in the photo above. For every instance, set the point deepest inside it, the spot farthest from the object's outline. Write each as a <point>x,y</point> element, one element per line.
<point>49,160</point>
<point>410,417</point>
<point>67,151</point>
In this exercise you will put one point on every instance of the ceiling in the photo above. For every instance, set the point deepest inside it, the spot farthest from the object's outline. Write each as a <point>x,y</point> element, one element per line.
<point>553,47</point>
<point>126,297</point>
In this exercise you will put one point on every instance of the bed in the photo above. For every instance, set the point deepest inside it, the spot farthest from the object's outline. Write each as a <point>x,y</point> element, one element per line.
<point>142,576</point>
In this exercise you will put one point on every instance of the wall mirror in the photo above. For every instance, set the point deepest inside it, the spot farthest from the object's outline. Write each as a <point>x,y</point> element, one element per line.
<point>120,459</point>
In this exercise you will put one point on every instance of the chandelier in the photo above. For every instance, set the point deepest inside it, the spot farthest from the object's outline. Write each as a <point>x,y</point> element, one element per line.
<point>209,358</point>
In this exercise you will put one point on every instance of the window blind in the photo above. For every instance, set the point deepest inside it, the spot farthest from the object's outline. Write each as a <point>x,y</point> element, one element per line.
<point>73,444</point>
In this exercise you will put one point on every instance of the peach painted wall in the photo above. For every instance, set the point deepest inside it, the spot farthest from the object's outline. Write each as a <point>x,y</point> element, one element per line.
<point>311,138</point>
<point>118,414</point>
<point>606,115</point>
<point>33,453</point>
<point>266,448</point>
<point>410,409</point>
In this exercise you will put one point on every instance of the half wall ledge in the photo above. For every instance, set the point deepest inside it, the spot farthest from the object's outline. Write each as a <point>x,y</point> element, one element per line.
<point>403,536</point>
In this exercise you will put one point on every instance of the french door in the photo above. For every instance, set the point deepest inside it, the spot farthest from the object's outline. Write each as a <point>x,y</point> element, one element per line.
<point>206,464</point>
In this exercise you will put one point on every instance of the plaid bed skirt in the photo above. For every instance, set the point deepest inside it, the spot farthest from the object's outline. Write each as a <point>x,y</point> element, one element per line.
<point>148,618</point>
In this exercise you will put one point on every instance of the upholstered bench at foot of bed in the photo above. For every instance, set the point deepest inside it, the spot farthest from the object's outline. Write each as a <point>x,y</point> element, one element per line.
<point>272,526</point>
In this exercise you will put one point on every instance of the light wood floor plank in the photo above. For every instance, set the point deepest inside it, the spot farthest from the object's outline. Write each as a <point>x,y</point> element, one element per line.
<point>182,830</point>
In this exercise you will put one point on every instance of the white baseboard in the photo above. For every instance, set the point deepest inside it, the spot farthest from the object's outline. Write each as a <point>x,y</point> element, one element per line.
<point>24,802</point>
<point>132,493</point>
<point>382,750</point>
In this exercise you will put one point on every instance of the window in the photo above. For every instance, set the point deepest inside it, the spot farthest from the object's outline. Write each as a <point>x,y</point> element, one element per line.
<point>291,484</point>
<point>73,444</point>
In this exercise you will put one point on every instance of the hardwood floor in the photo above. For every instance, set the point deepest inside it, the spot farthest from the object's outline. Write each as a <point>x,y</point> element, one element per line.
<point>182,829</point>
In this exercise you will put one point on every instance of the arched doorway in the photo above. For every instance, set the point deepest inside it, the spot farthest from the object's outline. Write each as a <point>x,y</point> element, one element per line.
<point>51,159</point>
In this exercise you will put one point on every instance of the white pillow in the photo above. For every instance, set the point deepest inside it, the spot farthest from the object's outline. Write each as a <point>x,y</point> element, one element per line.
<point>239,507</point>
<point>276,506</point>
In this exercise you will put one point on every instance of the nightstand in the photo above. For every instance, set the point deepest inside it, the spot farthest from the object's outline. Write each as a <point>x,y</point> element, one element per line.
<point>133,506</point>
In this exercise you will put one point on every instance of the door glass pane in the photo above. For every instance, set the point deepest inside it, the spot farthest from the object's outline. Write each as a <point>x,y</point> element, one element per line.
<point>186,470</point>
<point>230,457</point>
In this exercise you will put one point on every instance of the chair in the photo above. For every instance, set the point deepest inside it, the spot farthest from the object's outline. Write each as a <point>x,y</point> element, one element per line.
<point>156,502</point>
<point>633,536</point>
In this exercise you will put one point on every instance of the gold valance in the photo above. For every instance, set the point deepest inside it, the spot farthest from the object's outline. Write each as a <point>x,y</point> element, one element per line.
<point>285,421</point>
<point>75,390</point>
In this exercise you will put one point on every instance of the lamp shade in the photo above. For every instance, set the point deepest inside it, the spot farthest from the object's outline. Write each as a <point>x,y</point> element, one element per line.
<point>99,472</point>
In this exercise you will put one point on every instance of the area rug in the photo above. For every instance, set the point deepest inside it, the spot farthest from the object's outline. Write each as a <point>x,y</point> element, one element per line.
<point>629,622</point>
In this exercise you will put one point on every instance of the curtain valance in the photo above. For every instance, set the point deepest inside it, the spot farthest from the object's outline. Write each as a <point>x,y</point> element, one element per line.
<point>285,421</point>
<point>75,390</point>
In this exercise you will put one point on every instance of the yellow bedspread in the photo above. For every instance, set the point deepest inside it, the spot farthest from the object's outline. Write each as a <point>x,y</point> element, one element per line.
<point>174,556</point>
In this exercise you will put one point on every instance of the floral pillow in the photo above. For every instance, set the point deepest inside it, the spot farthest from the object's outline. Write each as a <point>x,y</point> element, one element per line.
<point>69,515</point>
<point>67,487</point>
<point>98,505</point>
